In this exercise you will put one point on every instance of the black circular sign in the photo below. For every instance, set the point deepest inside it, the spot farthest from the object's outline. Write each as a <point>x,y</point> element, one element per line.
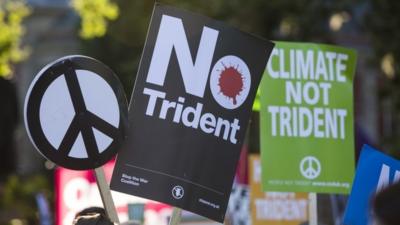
<point>76,112</point>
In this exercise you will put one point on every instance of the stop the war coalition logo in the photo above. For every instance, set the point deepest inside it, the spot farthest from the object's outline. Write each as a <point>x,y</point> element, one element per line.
<point>307,118</point>
<point>189,111</point>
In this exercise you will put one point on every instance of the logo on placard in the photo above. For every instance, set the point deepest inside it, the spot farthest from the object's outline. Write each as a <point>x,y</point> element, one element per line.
<point>178,192</point>
<point>310,167</point>
<point>230,82</point>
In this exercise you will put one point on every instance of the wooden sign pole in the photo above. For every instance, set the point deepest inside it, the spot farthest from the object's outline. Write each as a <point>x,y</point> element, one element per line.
<point>176,216</point>
<point>313,209</point>
<point>105,194</point>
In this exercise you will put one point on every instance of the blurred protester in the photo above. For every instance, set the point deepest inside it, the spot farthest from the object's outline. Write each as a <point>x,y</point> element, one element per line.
<point>96,216</point>
<point>386,206</point>
<point>92,216</point>
<point>8,123</point>
<point>131,222</point>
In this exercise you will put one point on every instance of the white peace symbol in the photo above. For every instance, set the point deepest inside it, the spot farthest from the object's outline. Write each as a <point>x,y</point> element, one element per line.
<point>310,167</point>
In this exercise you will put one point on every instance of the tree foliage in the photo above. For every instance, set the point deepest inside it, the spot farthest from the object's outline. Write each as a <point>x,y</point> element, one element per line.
<point>383,27</point>
<point>18,198</point>
<point>94,15</point>
<point>303,20</point>
<point>382,24</point>
<point>12,13</point>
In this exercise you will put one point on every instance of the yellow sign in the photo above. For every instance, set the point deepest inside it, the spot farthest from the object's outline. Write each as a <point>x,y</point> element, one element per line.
<point>274,208</point>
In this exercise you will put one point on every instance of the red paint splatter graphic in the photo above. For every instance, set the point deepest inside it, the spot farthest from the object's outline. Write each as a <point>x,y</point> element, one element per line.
<point>230,82</point>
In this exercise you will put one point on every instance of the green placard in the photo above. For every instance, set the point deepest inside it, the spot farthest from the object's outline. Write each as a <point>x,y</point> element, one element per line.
<point>307,135</point>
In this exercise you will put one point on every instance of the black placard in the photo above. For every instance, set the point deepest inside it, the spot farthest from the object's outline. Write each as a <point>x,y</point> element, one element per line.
<point>189,111</point>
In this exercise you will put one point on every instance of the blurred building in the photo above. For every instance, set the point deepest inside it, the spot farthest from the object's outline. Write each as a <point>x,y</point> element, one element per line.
<point>50,34</point>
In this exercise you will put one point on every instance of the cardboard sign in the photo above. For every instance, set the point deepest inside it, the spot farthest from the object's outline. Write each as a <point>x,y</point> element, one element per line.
<point>189,111</point>
<point>76,112</point>
<point>307,136</point>
<point>375,171</point>
<point>274,208</point>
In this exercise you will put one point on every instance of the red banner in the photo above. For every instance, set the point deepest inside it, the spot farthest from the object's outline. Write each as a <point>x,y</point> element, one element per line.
<point>76,190</point>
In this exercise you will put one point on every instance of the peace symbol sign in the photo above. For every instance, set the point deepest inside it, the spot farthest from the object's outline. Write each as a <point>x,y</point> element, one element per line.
<point>310,167</point>
<point>76,112</point>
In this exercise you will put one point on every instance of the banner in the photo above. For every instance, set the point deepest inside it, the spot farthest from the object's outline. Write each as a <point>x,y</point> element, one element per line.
<point>77,190</point>
<point>307,135</point>
<point>274,208</point>
<point>375,171</point>
<point>189,111</point>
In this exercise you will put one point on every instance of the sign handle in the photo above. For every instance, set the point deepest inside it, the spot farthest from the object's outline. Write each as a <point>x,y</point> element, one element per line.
<point>312,209</point>
<point>105,194</point>
<point>176,216</point>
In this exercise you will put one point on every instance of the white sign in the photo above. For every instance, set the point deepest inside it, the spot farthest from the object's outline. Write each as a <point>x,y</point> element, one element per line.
<point>75,112</point>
